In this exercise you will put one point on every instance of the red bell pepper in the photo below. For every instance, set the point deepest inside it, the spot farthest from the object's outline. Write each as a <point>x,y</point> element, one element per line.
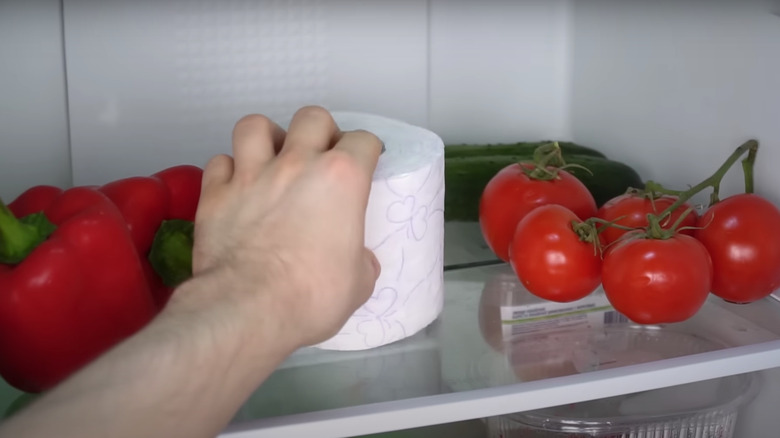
<point>143,202</point>
<point>184,184</point>
<point>160,291</point>
<point>34,200</point>
<point>67,297</point>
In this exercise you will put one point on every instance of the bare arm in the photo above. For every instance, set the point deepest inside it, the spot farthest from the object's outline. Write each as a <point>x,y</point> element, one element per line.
<point>279,263</point>
<point>184,375</point>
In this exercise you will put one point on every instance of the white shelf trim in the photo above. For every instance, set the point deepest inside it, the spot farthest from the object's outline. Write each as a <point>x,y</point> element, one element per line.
<point>447,408</point>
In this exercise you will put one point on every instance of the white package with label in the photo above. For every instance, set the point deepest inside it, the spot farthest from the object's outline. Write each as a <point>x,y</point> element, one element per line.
<point>405,229</point>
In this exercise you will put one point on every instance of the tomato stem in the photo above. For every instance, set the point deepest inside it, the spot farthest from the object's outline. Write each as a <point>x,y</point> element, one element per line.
<point>715,195</point>
<point>548,160</point>
<point>747,168</point>
<point>680,219</point>
<point>588,233</point>
<point>549,154</point>
<point>654,190</point>
<point>712,181</point>
<point>545,155</point>
<point>654,228</point>
<point>610,224</point>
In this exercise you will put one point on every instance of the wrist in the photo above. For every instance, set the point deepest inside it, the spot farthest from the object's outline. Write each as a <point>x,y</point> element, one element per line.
<point>243,321</point>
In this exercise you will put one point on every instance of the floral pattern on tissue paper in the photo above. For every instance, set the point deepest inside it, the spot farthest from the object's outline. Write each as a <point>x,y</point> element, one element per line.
<point>412,215</point>
<point>423,287</point>
<point>376,323</point>
<point>410,248</point>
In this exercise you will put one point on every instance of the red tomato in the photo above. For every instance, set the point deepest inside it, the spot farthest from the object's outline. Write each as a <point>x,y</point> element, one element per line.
<point>654,281</point>
<point>550,259</point>
<point>511,194</point>
<point>742,235</point>
<point>634,210</point>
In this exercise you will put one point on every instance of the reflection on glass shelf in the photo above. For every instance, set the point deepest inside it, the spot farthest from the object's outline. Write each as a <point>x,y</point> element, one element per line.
<point>472,347</point>
<point>523,338</point>
<point>314,379</point>
<point>318,379</point>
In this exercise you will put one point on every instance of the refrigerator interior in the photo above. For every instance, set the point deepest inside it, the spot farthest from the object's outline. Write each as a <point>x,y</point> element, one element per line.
<point>92,91</point>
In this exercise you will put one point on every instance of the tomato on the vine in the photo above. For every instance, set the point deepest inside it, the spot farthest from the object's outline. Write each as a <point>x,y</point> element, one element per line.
<point>511,194</point>
<point>550,258</point>
<point>742,235</point>
<point>632,209</point>
<point>655,281</point>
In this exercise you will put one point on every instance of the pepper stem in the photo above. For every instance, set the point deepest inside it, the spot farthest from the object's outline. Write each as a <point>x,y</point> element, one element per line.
<point>19,237</point>
<point>171,253</point>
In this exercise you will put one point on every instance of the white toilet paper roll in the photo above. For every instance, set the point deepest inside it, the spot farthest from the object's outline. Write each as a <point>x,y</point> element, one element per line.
<point>405,229</point>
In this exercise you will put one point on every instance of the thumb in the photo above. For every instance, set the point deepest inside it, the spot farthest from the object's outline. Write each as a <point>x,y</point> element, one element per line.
<point>376,268</point>
<point>369,274</point>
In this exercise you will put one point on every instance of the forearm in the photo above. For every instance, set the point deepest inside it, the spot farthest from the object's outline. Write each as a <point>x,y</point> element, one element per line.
<point>185,375</point>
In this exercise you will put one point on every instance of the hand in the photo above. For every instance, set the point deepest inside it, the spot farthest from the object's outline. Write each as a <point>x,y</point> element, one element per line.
<point>283,221</point>
<point>279,262</point>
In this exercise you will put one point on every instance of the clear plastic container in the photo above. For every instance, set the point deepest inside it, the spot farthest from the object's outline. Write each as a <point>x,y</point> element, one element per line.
<point>705,409</point>
<point>533,339</point>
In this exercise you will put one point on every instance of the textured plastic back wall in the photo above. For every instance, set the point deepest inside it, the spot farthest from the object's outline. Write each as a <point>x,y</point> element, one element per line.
<point>157,83</point>
<point>674,87</point>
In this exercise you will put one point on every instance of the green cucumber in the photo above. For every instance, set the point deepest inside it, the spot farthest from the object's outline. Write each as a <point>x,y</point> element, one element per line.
<point>609,178</point>
<point>520,148</point>
<point>466,176</point>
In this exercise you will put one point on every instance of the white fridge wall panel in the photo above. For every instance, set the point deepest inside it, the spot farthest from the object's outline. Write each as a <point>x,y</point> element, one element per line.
<point>153,84</point>
<point>673,87</point>
<point>499,70</point>
<point>33,117</point>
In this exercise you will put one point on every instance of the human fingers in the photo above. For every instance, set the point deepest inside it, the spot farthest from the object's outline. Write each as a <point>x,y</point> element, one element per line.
<point>216,175</point>
<point>363,146</point>
<point>312,129</point>
<point>255,141</point>
<point>218,171</point>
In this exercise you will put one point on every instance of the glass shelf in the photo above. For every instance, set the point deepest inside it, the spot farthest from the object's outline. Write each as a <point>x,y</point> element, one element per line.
<point>469,364</point>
